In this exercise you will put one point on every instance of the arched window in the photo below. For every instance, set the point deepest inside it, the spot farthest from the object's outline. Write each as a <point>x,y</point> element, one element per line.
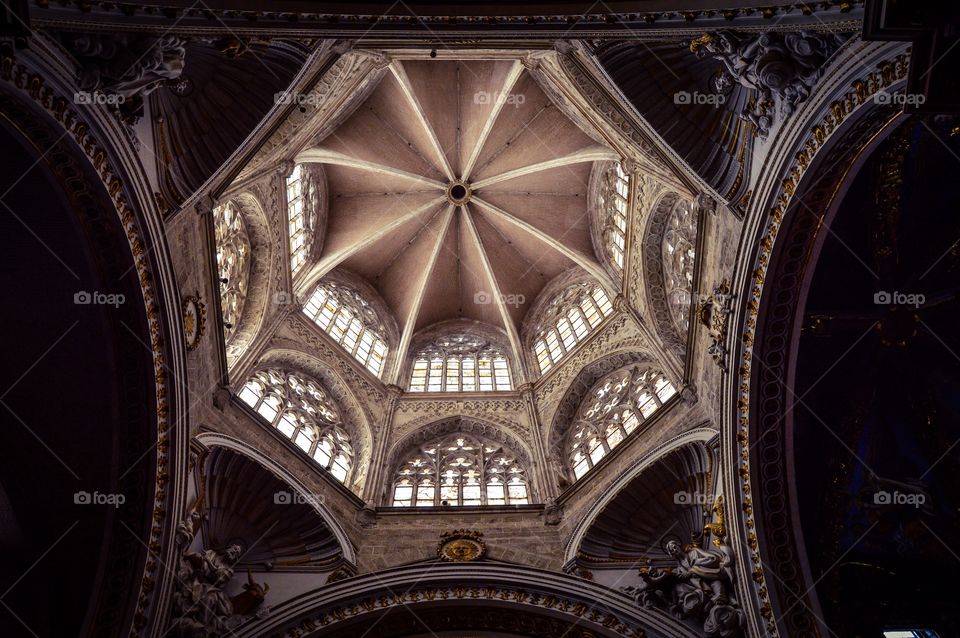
<point>304,413</point>
<point>461,363</point>
<point>679,250</point>
<point>350,320</point>
<point>301,207</point>
<point>569,318</point>
<point>460,469</point>
<point>614,193</point>
<point>233,264</point>
<point>616,405</point>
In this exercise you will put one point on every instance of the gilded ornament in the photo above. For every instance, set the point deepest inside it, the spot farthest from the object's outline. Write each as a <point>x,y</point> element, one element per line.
<point>461,546</point>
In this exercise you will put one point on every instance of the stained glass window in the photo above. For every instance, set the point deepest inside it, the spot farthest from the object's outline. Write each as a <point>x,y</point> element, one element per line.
<point>679,246</point>
<point>460,470</point>
<point>300,409</point>
<point>460,363</point>
<point>615,407</point>
<point>302,203</point>
<point>233,264</point>
<point>350,320</point>
<point>569,318</point>
<point>614,194</point>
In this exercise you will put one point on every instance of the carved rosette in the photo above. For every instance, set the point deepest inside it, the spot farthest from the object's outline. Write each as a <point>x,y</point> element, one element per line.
<point>461,546</point>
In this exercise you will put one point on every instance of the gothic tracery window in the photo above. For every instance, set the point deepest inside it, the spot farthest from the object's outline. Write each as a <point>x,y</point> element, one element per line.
<point>569,318</point>
<point>460,469</point>
<point>616,405</point>
<point>460,363</point>
<point>614,193</point>
<point>233,264</point>
<point>350,320</point>
<point>678,256</point>
<point>301,207</point>
<point>302,410</point>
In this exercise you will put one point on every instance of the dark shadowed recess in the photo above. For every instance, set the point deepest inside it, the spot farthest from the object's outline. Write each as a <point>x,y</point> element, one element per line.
<point>877,421</point>
<point>77,390</point>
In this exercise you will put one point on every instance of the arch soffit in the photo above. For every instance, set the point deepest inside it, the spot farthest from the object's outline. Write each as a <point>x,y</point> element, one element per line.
<point>699,437</point>
<point>216,439</point>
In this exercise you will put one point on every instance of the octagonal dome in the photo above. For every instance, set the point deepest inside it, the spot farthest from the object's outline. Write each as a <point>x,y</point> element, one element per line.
<point>458,189</point>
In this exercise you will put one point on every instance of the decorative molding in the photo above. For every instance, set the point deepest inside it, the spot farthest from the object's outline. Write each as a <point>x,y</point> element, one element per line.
<point>194,320</point>
<point>356,420</point>
<point>477,29</point>
<point>430,427</point>
<point>781,68</point>
<point>38,76</point>
<point>597,609</point>
<point>617,333</point>
<point>372,393</point>
<point>775,525</point>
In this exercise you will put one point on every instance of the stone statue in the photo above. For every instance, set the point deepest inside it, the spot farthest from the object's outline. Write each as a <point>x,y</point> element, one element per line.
<point>125,64</point>
<point>252,597</point>
<point>703,569</point>
<point>699,588</point>
<point>654,590</point>
<point>201,607</point>
<point>782,67</point>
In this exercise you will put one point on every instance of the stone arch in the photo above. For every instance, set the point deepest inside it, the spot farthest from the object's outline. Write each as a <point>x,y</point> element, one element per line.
<point>694,441</point>
<point>363,300</point>
<point>356,420</point>
<point>219,440</point>
<point>551,603</point>
<point>577,391</point>
<point>656,293</point>
<point>535,316</point>
<point>257,303</point>
<point>495,336</point>
<point>434,428</point>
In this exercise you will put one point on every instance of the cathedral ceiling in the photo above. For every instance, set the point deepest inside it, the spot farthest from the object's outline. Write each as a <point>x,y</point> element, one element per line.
<point>458,190</point>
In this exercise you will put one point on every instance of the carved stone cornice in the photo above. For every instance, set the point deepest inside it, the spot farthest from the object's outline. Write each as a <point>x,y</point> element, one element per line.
<point>481,28</point>
<point>425,414</point>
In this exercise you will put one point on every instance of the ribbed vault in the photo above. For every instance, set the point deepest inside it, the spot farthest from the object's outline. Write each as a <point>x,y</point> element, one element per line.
<point>458,190</point>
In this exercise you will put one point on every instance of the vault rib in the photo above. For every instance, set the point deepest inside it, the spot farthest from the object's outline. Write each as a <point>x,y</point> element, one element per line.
<point>326,156</point>
<point>584,261</point>
<point>502,96</point>
<point>410,321</point>
<point>330,261</point>
<point>396,67</point>
<point>589,154</point>
<point>498,299</point>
